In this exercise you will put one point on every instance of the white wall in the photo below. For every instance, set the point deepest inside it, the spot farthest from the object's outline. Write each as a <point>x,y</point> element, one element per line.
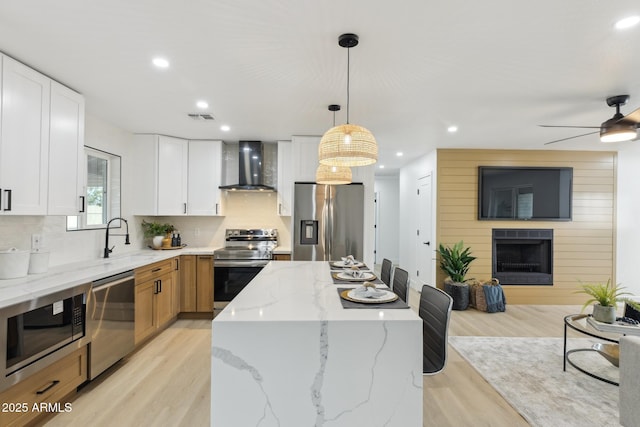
<point>387,189</point>
<point>628,224</point>
<point>409,175</point>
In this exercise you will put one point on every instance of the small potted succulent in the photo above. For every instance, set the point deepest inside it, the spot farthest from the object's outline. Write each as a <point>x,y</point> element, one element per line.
<point>605,298</point>
<point>157,232</point>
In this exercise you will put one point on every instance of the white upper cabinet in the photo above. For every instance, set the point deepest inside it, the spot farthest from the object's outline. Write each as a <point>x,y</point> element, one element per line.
<point>206,169</point>
<point>305,153</point>
<point>173,157</point>
<point>285,177</point>
<point>66,152</point>
<point>24,139</point>
<point>177,177</point>
<point>160,171</point>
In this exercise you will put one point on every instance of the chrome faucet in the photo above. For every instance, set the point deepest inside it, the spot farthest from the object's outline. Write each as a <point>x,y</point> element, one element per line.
<point>107,251</point>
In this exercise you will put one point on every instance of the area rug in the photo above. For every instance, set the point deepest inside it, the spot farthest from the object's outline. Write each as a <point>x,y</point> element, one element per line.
<point>528,373</point>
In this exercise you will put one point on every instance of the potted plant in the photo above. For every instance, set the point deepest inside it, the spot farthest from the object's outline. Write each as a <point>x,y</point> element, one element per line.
<point>157,232</point>
<point>604,297</point>
<point>455,261</point>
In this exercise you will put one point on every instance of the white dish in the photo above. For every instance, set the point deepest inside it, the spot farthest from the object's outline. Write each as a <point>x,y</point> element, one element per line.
<point>387,297</point>
<point>364,275</point>
<point>342,264</point>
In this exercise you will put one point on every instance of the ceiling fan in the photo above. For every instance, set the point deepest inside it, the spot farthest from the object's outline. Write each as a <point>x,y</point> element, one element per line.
<point>618,128</point>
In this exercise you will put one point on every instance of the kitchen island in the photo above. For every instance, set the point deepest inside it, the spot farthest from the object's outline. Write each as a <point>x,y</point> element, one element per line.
<point>286,353</point>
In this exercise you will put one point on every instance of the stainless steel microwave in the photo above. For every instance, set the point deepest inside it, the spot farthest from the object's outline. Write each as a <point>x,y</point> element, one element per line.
<point>39,332</point>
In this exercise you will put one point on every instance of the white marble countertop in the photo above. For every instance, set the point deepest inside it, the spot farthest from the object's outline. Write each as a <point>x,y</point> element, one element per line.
<point>57,278</point>
<point>280,250</point>
<point>287,353</point>
<point>299,290</point>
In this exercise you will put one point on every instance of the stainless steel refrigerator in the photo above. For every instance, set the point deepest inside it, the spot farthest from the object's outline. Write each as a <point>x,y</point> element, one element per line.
<point>328,221</point>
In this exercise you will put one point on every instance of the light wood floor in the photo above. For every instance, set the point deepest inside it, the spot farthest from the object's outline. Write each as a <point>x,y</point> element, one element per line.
<point>166,383</point>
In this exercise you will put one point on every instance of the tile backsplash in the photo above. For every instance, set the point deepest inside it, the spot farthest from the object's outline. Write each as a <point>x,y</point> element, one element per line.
<point>243,210</point>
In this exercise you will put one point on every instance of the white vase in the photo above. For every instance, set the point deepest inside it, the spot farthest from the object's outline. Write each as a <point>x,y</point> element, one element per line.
<point>157,242</point>
<point>604,314</point>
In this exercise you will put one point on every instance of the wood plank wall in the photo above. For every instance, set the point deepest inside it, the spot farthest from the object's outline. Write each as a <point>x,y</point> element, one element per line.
<point>584,248</point>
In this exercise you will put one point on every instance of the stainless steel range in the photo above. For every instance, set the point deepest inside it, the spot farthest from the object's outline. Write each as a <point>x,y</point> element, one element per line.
<point>245,253</point>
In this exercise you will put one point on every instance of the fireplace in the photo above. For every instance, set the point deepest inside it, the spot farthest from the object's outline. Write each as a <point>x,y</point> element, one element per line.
<point>522,256</point>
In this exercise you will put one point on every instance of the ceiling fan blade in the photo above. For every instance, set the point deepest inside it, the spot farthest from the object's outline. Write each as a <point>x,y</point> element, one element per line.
<point>634,116</point>
<point>575,127</point>
<point>571,137</point>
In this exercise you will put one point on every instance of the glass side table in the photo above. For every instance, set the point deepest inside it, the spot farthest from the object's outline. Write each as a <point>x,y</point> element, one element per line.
<point>601,368</point>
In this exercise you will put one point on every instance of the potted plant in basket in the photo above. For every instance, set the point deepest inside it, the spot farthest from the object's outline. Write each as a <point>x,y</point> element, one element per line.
<point>157,232</point>
<point>604,297</point>
<point>455,261</point>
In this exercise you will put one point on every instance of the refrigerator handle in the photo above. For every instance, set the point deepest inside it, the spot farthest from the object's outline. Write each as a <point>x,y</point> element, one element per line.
<point>330,224</point>
<point>325,226</point>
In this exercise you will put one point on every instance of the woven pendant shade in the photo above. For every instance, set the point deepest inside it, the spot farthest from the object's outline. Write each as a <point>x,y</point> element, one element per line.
<point>348,145</point>
<point>333,175</point>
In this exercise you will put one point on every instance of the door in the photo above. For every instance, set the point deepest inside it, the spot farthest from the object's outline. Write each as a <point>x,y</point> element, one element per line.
<point>346,221</point>
<point>24,140</point>
<point>424,245</point>
<point>164,299</point>
<point>66,152</point>
<point>172,175</point>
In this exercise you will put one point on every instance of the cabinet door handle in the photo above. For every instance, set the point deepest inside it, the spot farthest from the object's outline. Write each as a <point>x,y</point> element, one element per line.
<point>155,289</point>
<point>185,208</point>
<point>8,192</point>
<point>160,283</point>
<point>82,207</point>
<point>49,387</point>
<point>177,264</point>
<point>0,199</point>
<point>279,208</point>
<point>216,209</point>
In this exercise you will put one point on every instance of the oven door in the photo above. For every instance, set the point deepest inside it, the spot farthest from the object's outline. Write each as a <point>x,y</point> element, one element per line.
<point>230,277</point>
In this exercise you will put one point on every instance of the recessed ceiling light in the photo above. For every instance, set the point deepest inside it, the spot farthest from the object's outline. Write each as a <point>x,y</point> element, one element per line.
<point>627,22</point>
<point>452,129</point>
<point>399,154</point>
<point>160,62</point>
<point>202,104</point>
<point>381,166</point>
<point>225,128</point>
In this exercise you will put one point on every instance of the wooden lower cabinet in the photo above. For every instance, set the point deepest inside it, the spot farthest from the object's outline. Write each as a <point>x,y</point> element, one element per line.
<point>282,257</point>
<point>155,304</point>
<point>44,392</point>
<point>196,284</point>
<point>204,284</point>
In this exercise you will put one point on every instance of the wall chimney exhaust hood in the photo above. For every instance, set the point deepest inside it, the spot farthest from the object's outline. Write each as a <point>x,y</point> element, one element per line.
<point>250,168</point>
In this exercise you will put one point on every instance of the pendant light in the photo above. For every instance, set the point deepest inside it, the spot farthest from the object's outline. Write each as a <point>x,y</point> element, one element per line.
<point>348,144</point>
<point>333,175</point>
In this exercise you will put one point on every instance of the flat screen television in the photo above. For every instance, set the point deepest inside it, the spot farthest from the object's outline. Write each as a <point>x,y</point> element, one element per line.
<point>524,193</point>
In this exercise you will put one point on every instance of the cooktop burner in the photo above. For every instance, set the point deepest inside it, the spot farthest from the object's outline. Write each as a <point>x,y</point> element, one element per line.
<point>248,244</point>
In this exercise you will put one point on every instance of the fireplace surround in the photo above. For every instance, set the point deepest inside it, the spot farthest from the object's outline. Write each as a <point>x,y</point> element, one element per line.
<point>522,256</point>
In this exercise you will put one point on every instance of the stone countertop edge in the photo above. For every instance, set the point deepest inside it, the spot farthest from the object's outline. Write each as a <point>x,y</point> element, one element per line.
<point>282,250</point>
<point>65,276</point>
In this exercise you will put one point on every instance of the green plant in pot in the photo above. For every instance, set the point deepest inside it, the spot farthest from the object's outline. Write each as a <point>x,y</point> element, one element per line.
<point>455,262</point>
<point>157,232</point>
<point>605,298</point>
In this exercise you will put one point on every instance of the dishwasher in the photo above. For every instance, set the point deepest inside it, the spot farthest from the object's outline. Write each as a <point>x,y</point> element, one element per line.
<point>110,321</point>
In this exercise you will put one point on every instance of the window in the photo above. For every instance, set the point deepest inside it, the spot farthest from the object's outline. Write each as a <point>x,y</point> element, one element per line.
<point>102,196</point>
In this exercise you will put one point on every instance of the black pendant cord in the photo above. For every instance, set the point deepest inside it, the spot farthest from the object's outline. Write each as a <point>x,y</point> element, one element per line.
<point>348,72</point>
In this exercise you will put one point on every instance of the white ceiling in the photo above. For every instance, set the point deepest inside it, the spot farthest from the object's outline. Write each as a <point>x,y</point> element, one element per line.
<point>270,68</point>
